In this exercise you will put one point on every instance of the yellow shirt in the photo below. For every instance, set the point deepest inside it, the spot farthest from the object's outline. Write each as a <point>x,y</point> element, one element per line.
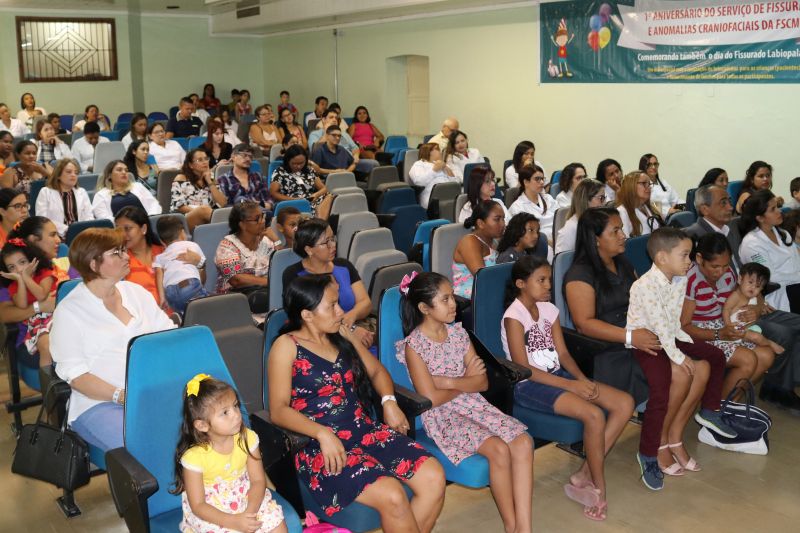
<point>215,466</point>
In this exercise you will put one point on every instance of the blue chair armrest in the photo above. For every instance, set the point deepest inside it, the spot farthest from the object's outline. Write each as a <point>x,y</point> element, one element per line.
<point>131,485</point>
<point>584,349</point>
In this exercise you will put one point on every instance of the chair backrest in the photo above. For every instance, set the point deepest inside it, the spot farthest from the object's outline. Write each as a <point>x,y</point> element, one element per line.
<point>444,240</point>
<point>158,115</point>
<point>541,248</point>
<point>88,181</point>
<point>690,201</point>
<point>221,214</point>
<point>65,287</point>
<point>195,142</point>
<point>735,240</point>
<point>36,188</point>
<point>507,163</point>
<point>275,320</point>
<point>735,190</point>
<point>75,136</point>
<point>559,219</point>
<point>404,225</point>
<point>159,366</point>
<point>395,198</point>
<point>181,216</point>
<point>468,172</point>
<point>561,264</point>
<point>636,252</point>
<point>238,338</point>
<point>183,141</point>
<point>280,261</point>
<point>104,153</point>
<point>164,188</point>
<point>349,223</point>
<point>511,194</point>
<point>410,157</point>
<point>113,135</point>
<point>220,170</point>
<point>379,175</point>
<point>461,201</point>
<point>276,152</point>
<point>555,178</point>
<point>273,166</point>
<point>389,276</point>
<point>340,180</point>
<point>124,117</point>
<point>370,240</point>
<point>488,305</point>
<point>423,236</point>
<point>555,188</point>
<point>301,204</point>
<point>76,227</point>
<point>208,237</point>
<point>65,138</point>
<point>66,122</point>
<point>446,191</point>
<point>681,219</point>
<point>394,143</point>
<point>349,203</point>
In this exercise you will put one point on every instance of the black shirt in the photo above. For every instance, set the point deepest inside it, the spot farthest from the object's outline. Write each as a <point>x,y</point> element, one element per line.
<point>611,298</point>
<point>224,153</point>
<point>184,128</point>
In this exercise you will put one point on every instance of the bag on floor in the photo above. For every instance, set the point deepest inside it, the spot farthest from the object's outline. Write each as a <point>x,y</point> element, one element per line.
<point>313,525</point>
<point>750,423</point>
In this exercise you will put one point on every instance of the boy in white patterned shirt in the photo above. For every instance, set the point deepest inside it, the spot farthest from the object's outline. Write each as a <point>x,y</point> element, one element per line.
<point>676,381</point>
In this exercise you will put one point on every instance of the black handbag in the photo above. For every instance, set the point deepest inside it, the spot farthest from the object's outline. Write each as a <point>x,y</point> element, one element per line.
<point>52,454</point>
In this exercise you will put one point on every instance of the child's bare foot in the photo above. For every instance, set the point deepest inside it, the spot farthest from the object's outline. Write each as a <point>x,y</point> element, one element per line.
<point>777,348</point>
<point>581,479</point>
<point>598,512</point>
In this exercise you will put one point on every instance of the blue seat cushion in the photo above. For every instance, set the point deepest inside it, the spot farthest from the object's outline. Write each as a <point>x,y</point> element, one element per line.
<point>546,426</point>
<point>472,472</point>
<point>356,517</point>
<point>97,457</point>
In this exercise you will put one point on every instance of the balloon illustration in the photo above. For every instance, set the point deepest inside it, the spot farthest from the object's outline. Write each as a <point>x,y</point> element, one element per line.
<point>595,22</point>
<point>604,36</point>
<point>594,41</point>
<point>605,13</point>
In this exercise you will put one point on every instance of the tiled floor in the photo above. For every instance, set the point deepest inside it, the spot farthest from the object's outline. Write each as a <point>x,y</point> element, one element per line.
<point>734,492</point>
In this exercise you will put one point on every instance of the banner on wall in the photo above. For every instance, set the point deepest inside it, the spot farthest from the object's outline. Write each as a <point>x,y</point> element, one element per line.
<point>637,41</point>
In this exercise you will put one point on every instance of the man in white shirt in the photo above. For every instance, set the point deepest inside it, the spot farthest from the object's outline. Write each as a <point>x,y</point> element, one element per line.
<point>83,148</point>
<point>448,126</point>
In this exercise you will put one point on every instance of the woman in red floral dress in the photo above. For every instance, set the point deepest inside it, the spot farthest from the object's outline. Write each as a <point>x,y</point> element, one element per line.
<point>319,382</point>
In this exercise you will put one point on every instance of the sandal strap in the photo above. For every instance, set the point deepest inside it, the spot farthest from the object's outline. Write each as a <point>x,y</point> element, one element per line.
<point>674,445</point>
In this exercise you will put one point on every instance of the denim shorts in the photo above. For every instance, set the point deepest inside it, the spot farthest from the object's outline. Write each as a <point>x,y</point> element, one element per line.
<point>538,396</point>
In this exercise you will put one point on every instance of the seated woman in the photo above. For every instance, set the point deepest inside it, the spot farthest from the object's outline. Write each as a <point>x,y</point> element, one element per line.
<point>365,134</point>
<point>13,209</point>
<point>348,457</point>
<point>15,126</point>
<point>589,193</point>
<point>477,249</point>
<point>663,196</point>
<point>120,190</point>
<point>532,199</point>
<point>6,150</point>
<point>315,243</point>
<point>570,177</point>
<point>482,186</point>
<point>715,176</point>
<point>523,156</point>
<point>757,178</point>
<point>639,215</point>
<point>167,153</point>
<point>216,148</point>
<point>92,114</point>
<point>49,147</point>
<point>27,169</point>
<point>138,130</point>
<point>242,258</point>
<point>458,154</point>
<point>609,173</point>
<point>210,101</point>
<point>429,170</point>
<point>136,160</point>
<point>711,281</point>
<point>764,242</point>
<point>231,127</point>
<point>195,192</point>
<point>90,333</point>
<point>29,110</point>
<point>243,106</point>
<point>295,179</point>
<point>289,127</point>
<point>263,133</point>
<point>62,200</point>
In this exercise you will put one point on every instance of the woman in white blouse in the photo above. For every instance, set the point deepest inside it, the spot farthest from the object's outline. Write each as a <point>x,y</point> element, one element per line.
<point>458,154</point>
<point>118,190</point>
<point>168,153</point>
<point>29,110</point>
<point>90,332</point>
<point>61,199</point>
<point>766,243</point>
<point>524,155</point>
<point>571,176</point>
<point>532,199</point>
<point>482,187</point>
<point>589,193</point>
<point>92,114</point>
<point>609,172</point>
<point>14,125</point>
<point>429,170</point>
<point>663,195</point>
<point>138,131</point>
<point>639,215</point>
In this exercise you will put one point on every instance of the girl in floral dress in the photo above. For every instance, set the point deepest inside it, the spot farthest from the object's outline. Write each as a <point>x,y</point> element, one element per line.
<point>320,379</point>
<point>218,468</point>
<point>445,368</point>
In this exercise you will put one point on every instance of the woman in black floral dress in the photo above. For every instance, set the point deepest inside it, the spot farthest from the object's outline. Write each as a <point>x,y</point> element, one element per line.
<point>319,381</point>
<point>295,179</point>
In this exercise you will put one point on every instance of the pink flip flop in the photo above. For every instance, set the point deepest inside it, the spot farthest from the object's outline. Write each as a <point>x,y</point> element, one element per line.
<point>586,496</point>
<point>602,510</point>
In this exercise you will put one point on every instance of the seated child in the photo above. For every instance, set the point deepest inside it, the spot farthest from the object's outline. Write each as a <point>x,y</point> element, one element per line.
<point>32,280</point>
<point>286,223</point>
<point>656,302</point>
<point>532,337</point>
<point>753,277</point>
<point>519,239</point>
<point>444,367</point>
<point>218,468</point>
<point>177,281</point>
<point>794,189</point>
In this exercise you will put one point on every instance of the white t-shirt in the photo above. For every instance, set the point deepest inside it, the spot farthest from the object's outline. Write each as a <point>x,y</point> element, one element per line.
<point>174,269</point>
<point>783,262</point>
<point>664,200</point>
<point>81,123</point>
<point>171,155</point>
<point>643,214</point>
<point>84,153</point>
<point>457,162</point>
<point>17,127</point>
<point>539,343</point>
<point>512,177</point>
<point>423,175</point>
<point>564,199</point>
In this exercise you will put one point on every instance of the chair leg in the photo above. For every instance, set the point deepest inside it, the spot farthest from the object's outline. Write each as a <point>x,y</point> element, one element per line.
<point>67,504</point>
<point>574,448</point>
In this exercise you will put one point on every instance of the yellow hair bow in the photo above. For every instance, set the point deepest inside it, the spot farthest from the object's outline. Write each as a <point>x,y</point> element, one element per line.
<point>194,384</point>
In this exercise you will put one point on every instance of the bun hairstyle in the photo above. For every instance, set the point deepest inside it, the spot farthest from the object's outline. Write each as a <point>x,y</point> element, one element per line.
<point>422,289</point>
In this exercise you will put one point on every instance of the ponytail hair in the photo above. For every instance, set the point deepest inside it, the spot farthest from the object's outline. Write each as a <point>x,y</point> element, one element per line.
<point>523,268</point>
<point>422,289</point>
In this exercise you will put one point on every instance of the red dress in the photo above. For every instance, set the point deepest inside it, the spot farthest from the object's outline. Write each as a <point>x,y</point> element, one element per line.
<point>39,323</point>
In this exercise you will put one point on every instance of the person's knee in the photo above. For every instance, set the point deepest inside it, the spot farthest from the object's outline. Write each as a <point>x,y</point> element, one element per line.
<point>625,404</point>
<point>593,416</point>
<point>702,370</point>
<point>522,445</point>
<point>393,499</point>
<point>430,477</point>
<point>764,356</point>
<point>496,450</point>
<point>746,361</point>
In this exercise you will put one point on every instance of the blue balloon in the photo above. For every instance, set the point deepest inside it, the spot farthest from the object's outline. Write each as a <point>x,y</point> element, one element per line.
<point>595,22</point>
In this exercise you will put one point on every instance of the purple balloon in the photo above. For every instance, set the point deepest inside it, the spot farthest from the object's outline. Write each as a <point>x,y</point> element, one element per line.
<point>605,11</point>
<point>595,23</point>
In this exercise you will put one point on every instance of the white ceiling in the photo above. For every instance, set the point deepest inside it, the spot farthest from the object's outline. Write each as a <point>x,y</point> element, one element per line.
<point>85,7</point>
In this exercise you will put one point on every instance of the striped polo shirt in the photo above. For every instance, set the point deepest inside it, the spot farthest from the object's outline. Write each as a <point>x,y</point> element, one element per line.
<point>709,300</point>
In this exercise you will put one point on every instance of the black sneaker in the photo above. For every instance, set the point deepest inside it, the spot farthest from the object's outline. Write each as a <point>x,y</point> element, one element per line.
<point>714,421</point>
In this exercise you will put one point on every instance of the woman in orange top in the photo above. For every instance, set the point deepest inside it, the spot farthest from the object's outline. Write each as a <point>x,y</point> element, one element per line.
<point>13,209</point>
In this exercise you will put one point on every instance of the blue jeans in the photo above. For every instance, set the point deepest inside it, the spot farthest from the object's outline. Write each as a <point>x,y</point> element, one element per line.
<point>539,396</point>
<point>101,425</point>
<point>178,297</point>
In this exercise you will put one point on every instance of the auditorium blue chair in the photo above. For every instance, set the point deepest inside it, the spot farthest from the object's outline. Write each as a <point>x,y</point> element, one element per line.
<point>142,472</point>
<point>76,227</point>
<point>395,143</point>
<point>735,190</point>
<point>66,122</point>
<point>404,225</point>
<point>636,252</point>
<point>113,135</point>
<point>681,219</point>
<point>124,117</point>
<point>301,204</point>
<point>395,198</point>
<point>422,238</point>
<point>690,201</point>
<point>36,188</point>
<point>273,166</point>
<point>196,142</point>
<point>158,115</point>
<point>183,141</point>
<point>280,261</point>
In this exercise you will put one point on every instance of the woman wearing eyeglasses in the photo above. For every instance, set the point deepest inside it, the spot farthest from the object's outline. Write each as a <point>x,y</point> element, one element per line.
<point>532,199</point>
<point>589,193</point>
<point>242,257</point>
<point>482,186</point>
<point>315,243</point>
<point>662,194</point>
<point>195,192</point>
<point>639,215</point>
<point>13,208</point>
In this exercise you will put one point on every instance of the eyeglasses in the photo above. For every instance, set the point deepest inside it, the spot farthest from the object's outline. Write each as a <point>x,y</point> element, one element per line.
<point>243,154</point>
<point>601,197</point>
<point>646,184</point>
<point>119,252</point>
<point>21,207</point>
<point>538,178</point>
<point>330,243</point>
<point>655,165</point>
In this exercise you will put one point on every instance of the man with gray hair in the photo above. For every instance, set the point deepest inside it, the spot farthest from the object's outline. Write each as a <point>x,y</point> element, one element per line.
<point>448,126</point>
<point>714,210</point>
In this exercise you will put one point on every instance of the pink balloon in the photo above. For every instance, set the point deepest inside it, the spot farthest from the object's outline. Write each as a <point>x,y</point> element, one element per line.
<point>605,10</point>
<point>594,41</point>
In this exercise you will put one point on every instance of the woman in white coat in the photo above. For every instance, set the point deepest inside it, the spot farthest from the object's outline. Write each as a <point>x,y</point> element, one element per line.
<point>120,190</point>
<point>430,170</point>
<point>61,199</point>
<point>49,148</point>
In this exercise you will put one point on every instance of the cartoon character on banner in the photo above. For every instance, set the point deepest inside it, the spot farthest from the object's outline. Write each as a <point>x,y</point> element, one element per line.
<point>599,34</point>
<point>561,40</point>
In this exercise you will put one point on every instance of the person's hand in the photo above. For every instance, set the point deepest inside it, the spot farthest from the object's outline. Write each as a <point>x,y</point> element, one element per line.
<point>48,305</point>
<point>438,165</point>
<point>748,314</point>
<point>13,276</point>
<point>189,257</point>
<point>527,160</point>
<point>475,367</point>
<point>731,333</point>
<point>395,418</point>
<point>688,366</point>
<point>332,451</point>
<point>364,336</point>
<point>767,309</point>
<point>587,390</point>
<point>645,340</point>
<point>245,522</point>
<point>30,268</point>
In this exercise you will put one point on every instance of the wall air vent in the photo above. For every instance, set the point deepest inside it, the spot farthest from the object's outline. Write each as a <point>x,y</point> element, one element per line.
<point>248,8</point>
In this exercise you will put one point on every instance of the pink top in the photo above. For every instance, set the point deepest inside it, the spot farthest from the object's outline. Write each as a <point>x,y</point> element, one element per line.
<point>363,134</point>
<point>538,334</point>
